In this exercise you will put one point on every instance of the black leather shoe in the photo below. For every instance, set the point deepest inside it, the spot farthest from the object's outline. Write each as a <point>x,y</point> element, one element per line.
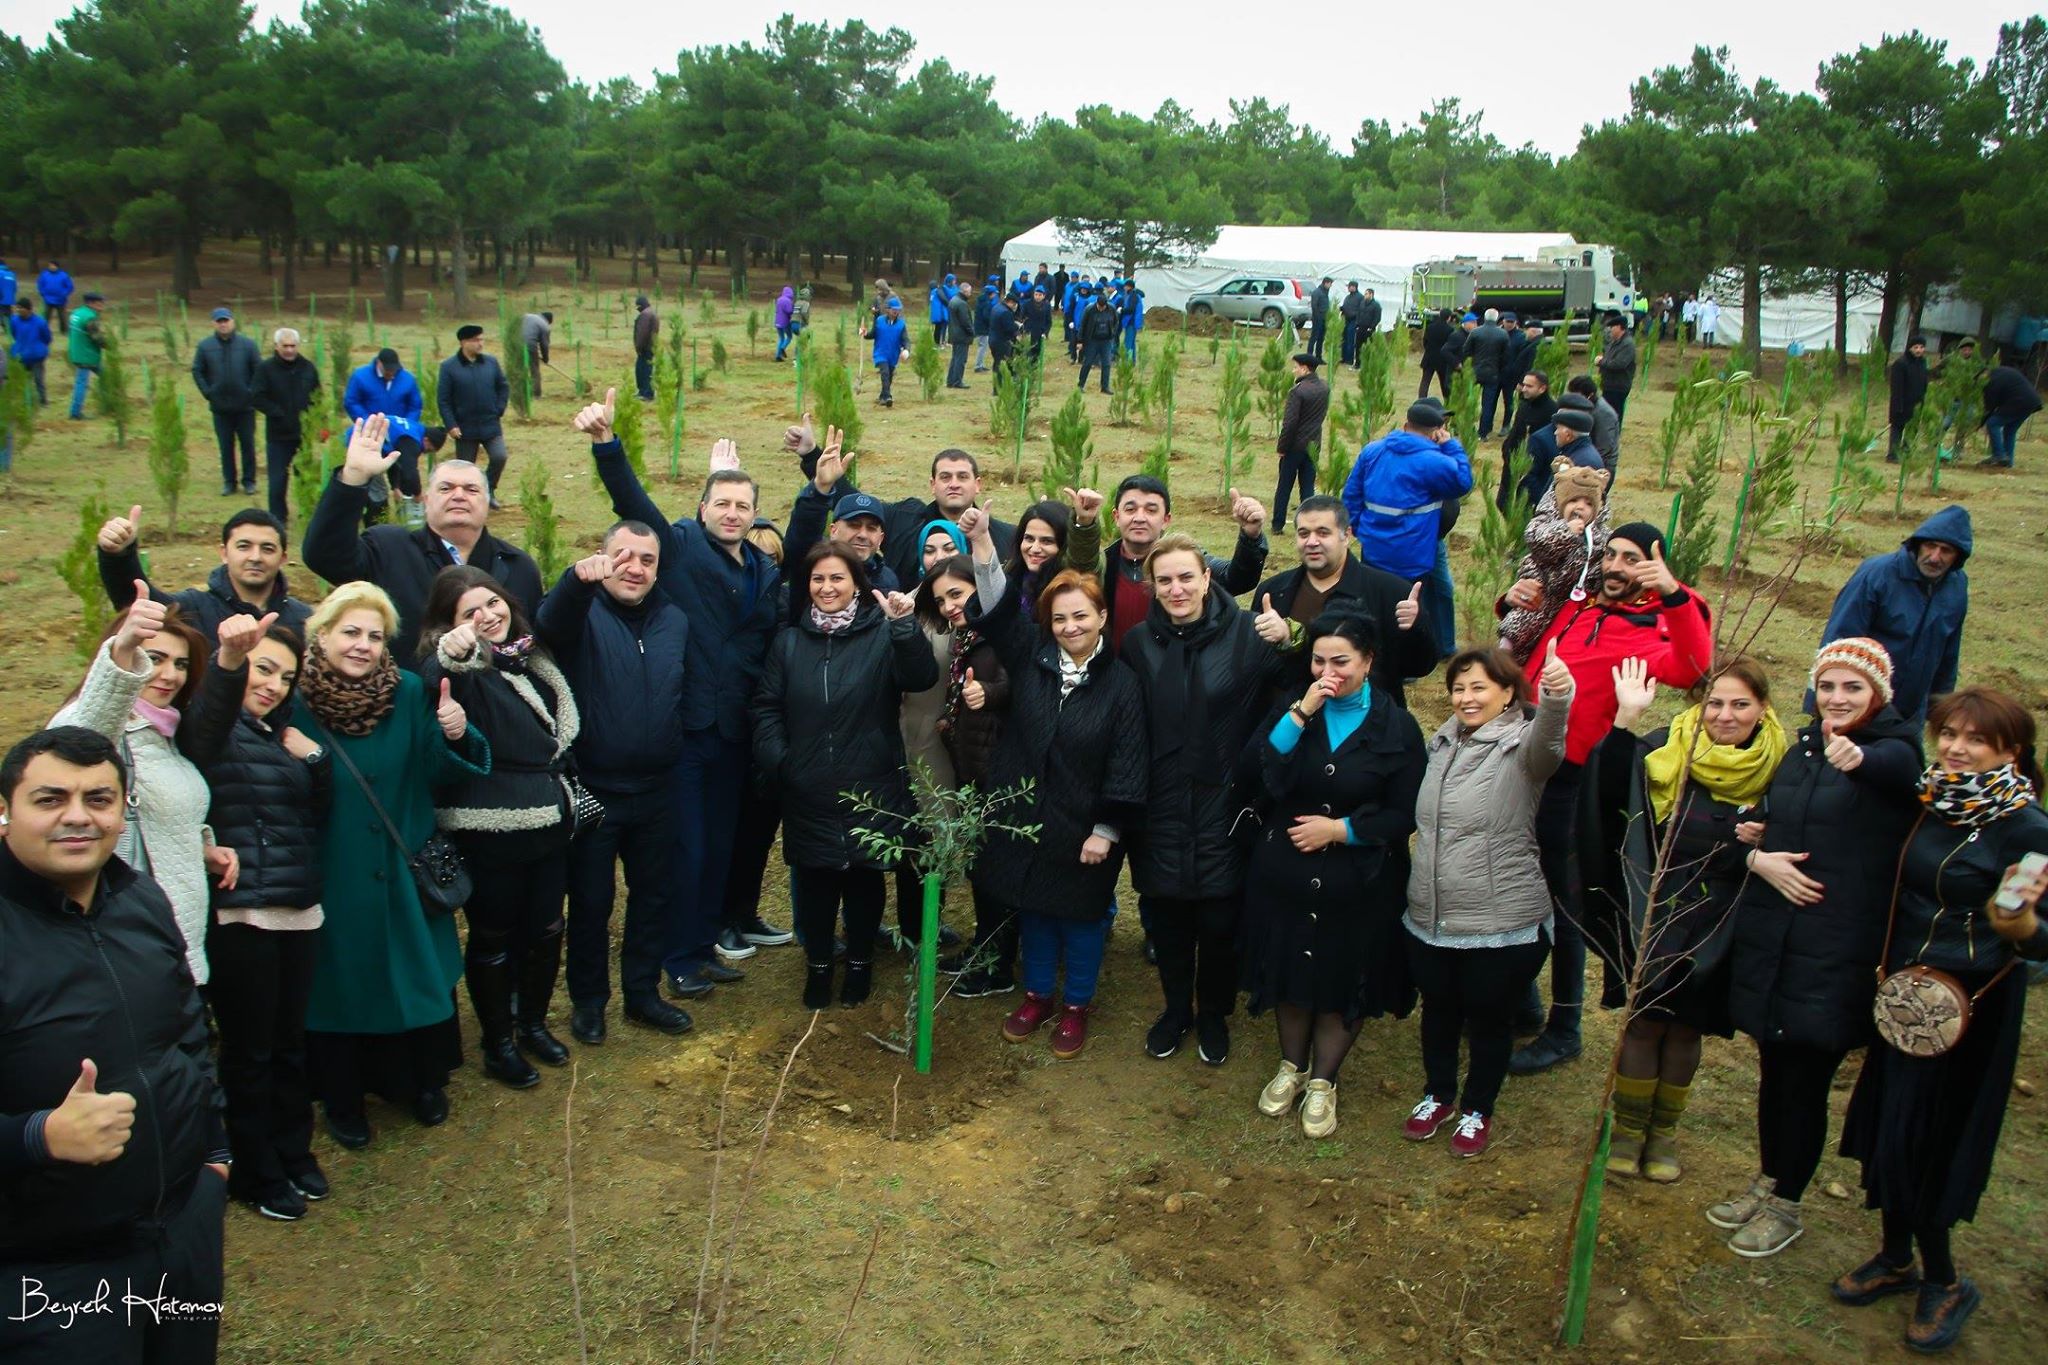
<point>817,985</point>
<point>586,1024</point>
<point>503,1063</point>
<point>536,1041</point>
<point>310,1181</point>
<point>350,1130</point>
<point>688,985</point>
<point>858,982</point>
<point>1546,1051</point>
<point>656,1013</point>
<point>720,974</point>
<point>430,1107</point>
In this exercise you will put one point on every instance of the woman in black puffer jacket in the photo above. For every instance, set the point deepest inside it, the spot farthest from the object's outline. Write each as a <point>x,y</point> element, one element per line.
<point>514,824</point>
<point>270,788</point>
<point>826,723</point>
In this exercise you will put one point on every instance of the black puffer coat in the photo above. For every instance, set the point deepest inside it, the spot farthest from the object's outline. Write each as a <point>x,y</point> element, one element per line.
<point>826,722</point>
<point>971,736</point>
<point>1085,756</point>
<point>1188,850</point>
<point>1806,974</point>
<point>268,806</point>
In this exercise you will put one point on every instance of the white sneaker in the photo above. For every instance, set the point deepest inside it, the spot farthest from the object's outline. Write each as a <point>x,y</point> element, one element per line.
<point>1319,1109</point>
<point>1282,1091</point>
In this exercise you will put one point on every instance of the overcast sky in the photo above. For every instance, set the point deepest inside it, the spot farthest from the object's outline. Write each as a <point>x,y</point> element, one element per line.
<point>1538,72</point>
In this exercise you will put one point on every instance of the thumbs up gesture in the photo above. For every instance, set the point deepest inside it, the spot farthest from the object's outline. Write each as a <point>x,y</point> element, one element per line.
<point>1087,504</point>
<point>1654,575</point>
<point>1270,624</point>
<point>89,1128</point>
<point>972,695</point>
<point>139,625</point>
<point>454,721</point>
<point>238,635</point>
<point>118,533</point>
<point>1249,515</point>
<point>1557,679</point>
<point>1409,609</point>
<point>1841,751</point>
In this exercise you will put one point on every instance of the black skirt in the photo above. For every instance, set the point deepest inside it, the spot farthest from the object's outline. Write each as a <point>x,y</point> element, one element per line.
<point>1319,936</point>
<point>1926,1128</point>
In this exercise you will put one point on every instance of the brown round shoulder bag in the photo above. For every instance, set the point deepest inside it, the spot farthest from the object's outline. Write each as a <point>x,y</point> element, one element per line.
<point>1921,1011</point>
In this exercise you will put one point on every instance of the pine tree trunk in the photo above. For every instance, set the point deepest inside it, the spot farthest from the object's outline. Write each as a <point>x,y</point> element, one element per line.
<point>1841,324</point>
<point>1753,308</point>
<point>394,280</point>
<point>291,263</point>
<point>355,262</point>
<point>263,254</point>
<point>113,255</point>
<point>458,263</point>
<point>654,259</point>
<point>634,279</point>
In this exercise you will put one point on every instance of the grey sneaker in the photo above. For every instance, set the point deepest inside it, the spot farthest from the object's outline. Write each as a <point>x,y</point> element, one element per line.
<point>1775,1227</point>
<point>1282,1091</point>
<point>1731,1214</point>
<point>1319,1109</point>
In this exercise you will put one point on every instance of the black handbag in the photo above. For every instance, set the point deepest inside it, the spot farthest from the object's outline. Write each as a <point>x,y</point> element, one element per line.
<point>586,812</point>
<point>438,872</point>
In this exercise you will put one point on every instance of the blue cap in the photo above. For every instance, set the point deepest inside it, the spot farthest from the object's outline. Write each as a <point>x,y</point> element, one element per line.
<point>222,315</point>
<point>858,505</point>
<point>1509,317</point>
<point>1471,317</point>
<point>895,303</point>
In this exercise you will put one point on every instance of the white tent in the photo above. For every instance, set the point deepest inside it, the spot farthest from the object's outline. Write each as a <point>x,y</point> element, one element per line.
<point>1382,260</point>
<point>1809,319</point>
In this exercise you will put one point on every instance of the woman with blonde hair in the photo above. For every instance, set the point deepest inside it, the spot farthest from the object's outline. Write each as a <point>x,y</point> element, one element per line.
<point>381,1017</point>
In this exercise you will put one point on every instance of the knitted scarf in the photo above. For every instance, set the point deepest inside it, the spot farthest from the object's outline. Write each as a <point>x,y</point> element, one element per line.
<point>964,640</point>
<point>345,705</point>
<point>832,622</point>
<point>1974,800</point>
<point>1736,774</point>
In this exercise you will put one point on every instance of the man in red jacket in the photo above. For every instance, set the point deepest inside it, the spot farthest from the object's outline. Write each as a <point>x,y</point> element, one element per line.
<point>1640,611</point>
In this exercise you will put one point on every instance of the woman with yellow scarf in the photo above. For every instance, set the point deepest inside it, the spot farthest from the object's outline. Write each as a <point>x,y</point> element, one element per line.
<point>1699,778</point>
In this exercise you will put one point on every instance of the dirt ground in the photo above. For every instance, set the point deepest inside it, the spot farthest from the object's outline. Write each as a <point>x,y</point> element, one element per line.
<point>1006,1207</point>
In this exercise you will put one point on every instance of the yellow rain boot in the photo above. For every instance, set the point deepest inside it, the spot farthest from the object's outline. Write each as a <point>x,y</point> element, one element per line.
<point>1660,1151</point>
<point>1632,1097</point>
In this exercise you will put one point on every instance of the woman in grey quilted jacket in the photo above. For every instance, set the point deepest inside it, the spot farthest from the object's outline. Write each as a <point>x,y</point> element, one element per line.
<point>1479,916</point>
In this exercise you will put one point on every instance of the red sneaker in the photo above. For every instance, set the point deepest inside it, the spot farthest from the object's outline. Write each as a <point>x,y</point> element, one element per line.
<point>1025,1019</point>
<point>1471,1135</point>
<point>1426,1118</point>
<point>1070,1034</point>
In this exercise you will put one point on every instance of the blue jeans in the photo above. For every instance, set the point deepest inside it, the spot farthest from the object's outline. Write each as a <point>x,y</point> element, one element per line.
<point>1439,599</point>
<point>638,830</point>
<point>643,374</point>
<point>2001,432</point>
<point>1131,344</point>
<point>1046,939</point>
<point>783,336</point>
<point>81,377</point>
<point>708,782</point>
<point>1489,402</point>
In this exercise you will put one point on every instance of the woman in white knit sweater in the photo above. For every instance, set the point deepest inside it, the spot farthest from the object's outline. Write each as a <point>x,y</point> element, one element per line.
<point>149,667</point>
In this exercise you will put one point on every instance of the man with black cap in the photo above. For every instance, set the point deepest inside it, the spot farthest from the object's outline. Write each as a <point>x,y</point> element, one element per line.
<point>1037,320</point>
<point>1003,331</point>
<point>1349,309</point>
<point>224,368</point>
<point>1617,365</point>
<point>645,324</point>
<point>1397,496</point>
<point>113,1152</point>
<point>1098,329</point>
<point>1301,431</point>
<point>1572,437</point>
<point>959,335</point>
<point>1908,384</point>
<point>1639,611</point>
<point>1318,320</point>
<point>1606,421</point>
<point>1436,334</point>
<point>473,394</point>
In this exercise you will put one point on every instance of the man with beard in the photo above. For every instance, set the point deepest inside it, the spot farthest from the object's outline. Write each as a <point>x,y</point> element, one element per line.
<point>1912,601</point>
<point>1641,611</point>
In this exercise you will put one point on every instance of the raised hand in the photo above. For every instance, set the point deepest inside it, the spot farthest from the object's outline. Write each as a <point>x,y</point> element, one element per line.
<point>142,622</point>
<point>1841,751</point>
<point>725,454</point>
<point>88,1128</point>
<point>1654,574</point>
<point>1087,504</point>
<point>1781,870</point>
<point>972,694</point>
<point>974,523</point>
<point>460,641</point>
<point>118,533</point>
<point>800,439</point>
<point>1270,624</point>
<point>2017,926</point>
<point>366,458</point>
<point>1249,515</point>
<point>895,605</point>
<point>1409,609</point>
<point>454,721</point>
<point>1319,691</point>
<point>1557,678</point>
<point>600,566</point>
<point>596,419</point>
<point>238,635</point>
<point>1634,691</point>
<point>831,465</point>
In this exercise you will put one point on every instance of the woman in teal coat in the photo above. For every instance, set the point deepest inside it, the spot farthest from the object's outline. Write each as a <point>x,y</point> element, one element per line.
<point>381,1019</point>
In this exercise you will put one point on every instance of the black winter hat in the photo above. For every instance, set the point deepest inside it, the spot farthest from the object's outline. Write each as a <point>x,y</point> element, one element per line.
<point>1642,534</point>
<point>1426,413</point>
<point>1574,419</point>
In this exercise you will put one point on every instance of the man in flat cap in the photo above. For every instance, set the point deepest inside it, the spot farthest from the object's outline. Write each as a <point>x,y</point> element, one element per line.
<point>473,395</point>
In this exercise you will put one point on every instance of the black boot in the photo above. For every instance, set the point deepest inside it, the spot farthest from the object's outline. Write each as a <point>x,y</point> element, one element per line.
<point>490,991</point>
<point>817,985</point>
<point>537,973</point>
<point>859,978</point>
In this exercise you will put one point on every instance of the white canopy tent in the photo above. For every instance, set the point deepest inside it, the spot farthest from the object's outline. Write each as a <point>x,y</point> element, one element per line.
<point>1382,260</point>
<point>1809,319</point>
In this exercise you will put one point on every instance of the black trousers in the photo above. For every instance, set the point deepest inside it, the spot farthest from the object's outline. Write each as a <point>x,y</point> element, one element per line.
<point>515,905</point>
<point>1469,992</point>
<point>823,894</point>
<point>752,841</point>
<point>1094,355</point>
<point>1792,1111</point>
<point>230,429</point>
<point>277,464</point>
<point>1618,400</point>
<point>1438,371</point>
<point>1298,467</point>
<point>261,980</point>
<point>1318,328</point>
<point>178,1259</point>
<point>1197,945</point>
<point>1556,833</point>
<point>638,830</point>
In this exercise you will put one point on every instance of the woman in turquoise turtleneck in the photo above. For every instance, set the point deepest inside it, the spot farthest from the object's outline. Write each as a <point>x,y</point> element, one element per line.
<point>1328,880</point>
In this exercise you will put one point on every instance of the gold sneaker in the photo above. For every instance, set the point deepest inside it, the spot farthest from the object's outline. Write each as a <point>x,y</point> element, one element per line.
<point>1319,1109</point>
<point>1731,1214</point>
<point>1777,1225</point>
<point>1282,1091</point>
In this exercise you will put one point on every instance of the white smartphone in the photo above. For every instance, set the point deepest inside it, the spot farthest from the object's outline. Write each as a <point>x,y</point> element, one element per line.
<point>2009,898</point>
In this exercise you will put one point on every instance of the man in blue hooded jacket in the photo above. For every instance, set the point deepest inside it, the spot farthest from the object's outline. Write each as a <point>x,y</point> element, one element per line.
<point>1397,494</point>
<point>1913,601</point>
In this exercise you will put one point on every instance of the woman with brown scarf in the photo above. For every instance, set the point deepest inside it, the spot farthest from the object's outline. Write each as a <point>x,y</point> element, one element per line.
<point>382,1014</point>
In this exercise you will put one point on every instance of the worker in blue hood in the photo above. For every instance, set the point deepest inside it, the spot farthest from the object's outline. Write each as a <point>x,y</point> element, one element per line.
<point>1912,601</point>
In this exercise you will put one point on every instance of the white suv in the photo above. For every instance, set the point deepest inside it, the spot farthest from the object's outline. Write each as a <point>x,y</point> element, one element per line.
<point>1262,299</point>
